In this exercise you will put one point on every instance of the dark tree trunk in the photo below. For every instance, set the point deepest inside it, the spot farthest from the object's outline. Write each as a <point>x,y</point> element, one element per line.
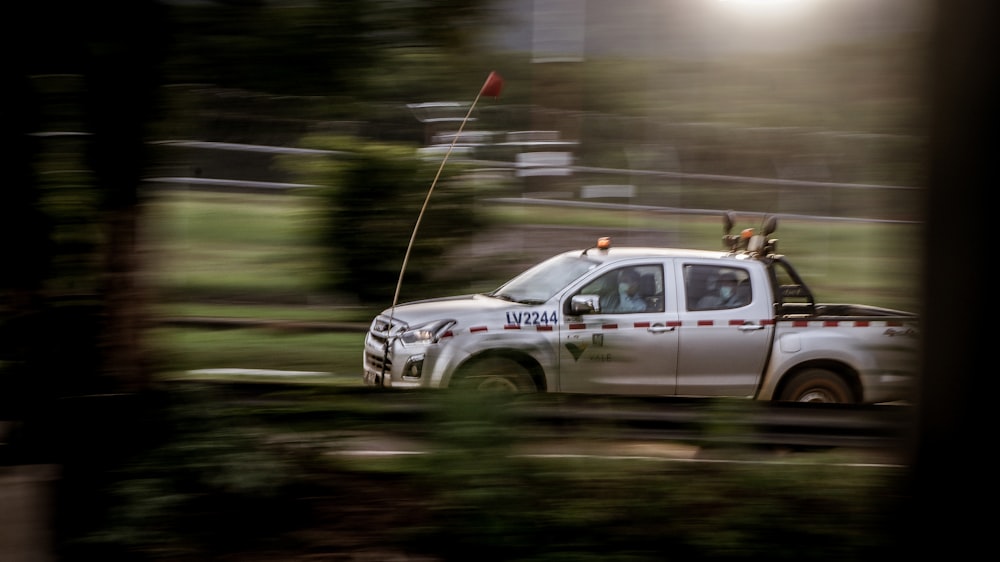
<point>72,370</point>
<point>951,490</point>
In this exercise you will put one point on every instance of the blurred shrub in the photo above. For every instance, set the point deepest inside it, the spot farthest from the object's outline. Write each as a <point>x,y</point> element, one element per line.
<point>372,198</point>
<point>480,490</point>
<point>228,472</point>
<point>197,485</point>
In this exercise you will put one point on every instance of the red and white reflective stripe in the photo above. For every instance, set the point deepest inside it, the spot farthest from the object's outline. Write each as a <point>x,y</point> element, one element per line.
<point>538,328</point>
<point>515,327</point>
<point>732,322</point>
<point>847,323</point>
<point>635,325</point>
<point>701,323</point>
<point>644,325</point>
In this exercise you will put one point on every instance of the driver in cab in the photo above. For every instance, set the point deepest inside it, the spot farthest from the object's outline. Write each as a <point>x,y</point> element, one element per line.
<point>627,298</point>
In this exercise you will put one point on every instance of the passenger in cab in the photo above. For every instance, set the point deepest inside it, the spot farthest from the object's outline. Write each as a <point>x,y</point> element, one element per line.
<point>729,293</point>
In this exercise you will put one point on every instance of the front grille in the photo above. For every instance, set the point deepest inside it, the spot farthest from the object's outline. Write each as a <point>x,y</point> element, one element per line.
<point>376,340</point>
<point>377,362</point>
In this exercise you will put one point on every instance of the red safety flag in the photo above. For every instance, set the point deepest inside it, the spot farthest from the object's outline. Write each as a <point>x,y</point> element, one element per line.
<point>492,86</point>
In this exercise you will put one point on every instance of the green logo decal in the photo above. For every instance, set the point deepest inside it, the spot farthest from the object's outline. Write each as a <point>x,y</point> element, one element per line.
<point>576,350</point>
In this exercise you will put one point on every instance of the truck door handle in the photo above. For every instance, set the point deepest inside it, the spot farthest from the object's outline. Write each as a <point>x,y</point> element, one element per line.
<point>751,327</point>
<point>660,329</point>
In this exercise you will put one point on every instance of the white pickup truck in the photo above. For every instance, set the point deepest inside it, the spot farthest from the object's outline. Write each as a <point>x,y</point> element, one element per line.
<point>651,321</point>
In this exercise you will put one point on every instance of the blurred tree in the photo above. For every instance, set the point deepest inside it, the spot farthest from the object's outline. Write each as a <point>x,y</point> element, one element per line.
<point>354,52</point>
<point>952,472</point>
<point>26,231</point>
<point>372,207</point>
<point>323,47</point>
<point>71,356</point>
<point>83,220</point>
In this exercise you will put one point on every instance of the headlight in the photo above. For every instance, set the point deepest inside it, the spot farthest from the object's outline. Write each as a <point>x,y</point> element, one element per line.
<point>425,333</point>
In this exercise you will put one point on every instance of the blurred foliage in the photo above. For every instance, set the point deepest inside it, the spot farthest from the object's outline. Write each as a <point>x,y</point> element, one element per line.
<point>234,480</point>
<point>311,48</point>
<point>377,194</point>
<point>201,485</point>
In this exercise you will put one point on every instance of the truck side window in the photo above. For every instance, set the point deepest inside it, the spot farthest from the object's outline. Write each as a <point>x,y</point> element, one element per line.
<point>716,288</point>
<point>629,289</point>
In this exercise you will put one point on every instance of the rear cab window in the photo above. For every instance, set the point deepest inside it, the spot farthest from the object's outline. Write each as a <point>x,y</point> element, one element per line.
<point>714,287</point>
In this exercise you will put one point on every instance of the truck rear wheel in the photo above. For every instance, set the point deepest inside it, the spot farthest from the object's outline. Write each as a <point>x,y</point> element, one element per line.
<point>817,385</point>
<point>494,374</point>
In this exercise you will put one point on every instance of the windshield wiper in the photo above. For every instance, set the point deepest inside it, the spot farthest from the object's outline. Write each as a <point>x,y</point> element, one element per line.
<point>508,298</point>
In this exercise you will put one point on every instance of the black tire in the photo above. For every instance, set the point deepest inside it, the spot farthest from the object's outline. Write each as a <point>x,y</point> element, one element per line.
<point>494,374</point>
<point>817,385</point>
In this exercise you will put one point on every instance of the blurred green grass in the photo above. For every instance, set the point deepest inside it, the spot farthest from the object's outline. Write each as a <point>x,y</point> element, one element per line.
<point>223,245</point>
<point>335,356</point>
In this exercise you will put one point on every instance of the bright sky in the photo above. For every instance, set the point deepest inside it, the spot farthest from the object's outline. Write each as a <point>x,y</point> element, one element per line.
<point>766,8</point>
<point>570,28</point>
<point>766,4</point>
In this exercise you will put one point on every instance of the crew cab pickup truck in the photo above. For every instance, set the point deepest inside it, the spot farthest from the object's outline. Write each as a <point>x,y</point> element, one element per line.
<point>738,322</point>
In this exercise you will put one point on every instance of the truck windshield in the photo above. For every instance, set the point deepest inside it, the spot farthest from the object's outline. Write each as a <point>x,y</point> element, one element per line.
<point>539,283</point>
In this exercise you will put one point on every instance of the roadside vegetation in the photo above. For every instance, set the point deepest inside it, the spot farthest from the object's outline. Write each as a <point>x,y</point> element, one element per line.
<point>265,472</point>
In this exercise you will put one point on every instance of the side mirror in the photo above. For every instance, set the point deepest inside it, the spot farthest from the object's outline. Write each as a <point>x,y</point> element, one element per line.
<point>585,304</point>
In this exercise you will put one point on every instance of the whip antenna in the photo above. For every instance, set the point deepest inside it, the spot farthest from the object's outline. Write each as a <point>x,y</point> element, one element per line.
<point>491,88</point>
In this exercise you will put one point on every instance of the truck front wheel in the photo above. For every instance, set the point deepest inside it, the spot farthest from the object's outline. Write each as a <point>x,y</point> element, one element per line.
<point>494,374</point>
<point>817,385</point>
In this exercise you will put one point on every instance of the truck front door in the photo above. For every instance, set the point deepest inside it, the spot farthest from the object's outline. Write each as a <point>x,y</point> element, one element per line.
<point>630,345</point>
<point>726,330</point>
